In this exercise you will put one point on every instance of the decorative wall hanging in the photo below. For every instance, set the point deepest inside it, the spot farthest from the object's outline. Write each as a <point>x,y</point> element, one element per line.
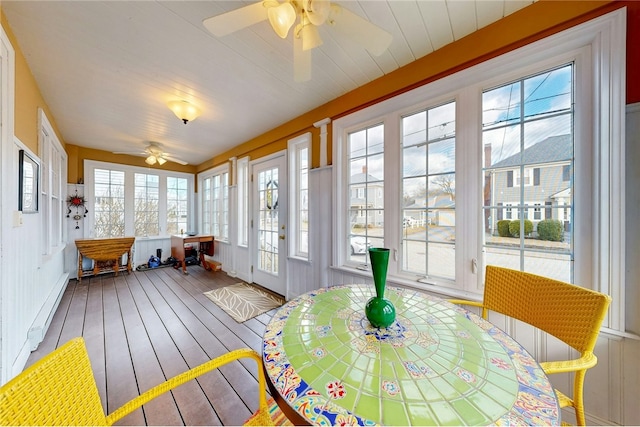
<point>77,202</point>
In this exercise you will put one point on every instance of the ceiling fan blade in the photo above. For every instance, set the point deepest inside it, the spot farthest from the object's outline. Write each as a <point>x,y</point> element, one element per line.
<point>173,159</point>
<point>227,23</point>
<point>301,61</point>
<point>131,153</point>
<point>352,26</point>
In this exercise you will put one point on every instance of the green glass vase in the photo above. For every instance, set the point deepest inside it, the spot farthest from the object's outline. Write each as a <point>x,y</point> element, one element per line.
<point>379,310</point>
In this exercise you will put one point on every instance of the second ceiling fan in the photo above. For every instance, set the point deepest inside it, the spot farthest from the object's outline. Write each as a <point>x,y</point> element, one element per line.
<point>310,14</point>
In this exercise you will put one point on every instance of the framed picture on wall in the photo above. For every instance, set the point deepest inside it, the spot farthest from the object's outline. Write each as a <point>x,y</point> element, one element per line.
<point>28,181</point>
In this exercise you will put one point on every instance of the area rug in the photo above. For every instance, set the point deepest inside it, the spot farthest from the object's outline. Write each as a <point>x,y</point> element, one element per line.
<point>243,302</point>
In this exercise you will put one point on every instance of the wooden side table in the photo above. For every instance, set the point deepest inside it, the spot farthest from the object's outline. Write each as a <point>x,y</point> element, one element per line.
<point>204,246</point>
<point>106,254</point>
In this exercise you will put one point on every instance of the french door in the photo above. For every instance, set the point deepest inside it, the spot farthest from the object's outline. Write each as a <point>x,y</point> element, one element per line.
<point>269,234</point>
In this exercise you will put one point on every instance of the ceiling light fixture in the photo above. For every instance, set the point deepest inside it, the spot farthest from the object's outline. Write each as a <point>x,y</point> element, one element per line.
<point>282,18</point>
<point>151,160</point>
<point>184,110</point>
<point>309,34</point>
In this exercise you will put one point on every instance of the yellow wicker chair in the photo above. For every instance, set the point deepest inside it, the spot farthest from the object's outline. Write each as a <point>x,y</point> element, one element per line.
<point>60,390</point>
<point>568,312</point>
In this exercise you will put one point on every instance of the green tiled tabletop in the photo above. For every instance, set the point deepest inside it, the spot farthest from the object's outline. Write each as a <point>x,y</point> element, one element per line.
<point>437,364</point>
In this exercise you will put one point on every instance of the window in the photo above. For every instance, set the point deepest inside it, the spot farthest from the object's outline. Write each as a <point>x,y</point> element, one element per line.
<point>365,165</point>
<point>206,206</point>
<point>508,211</point>
<point>177,205</point>
<point>146,197</point>
<point>128,200</point>
<point>522,123</point>
<point>528,124</point>
<point>215,202</point>
<point>537,212</point>
<point>53,177</point>
<point>299,158</point>
<point>429,191</point>
<point>108,207</point>
<point>243,201</point>
<point>525,179</point>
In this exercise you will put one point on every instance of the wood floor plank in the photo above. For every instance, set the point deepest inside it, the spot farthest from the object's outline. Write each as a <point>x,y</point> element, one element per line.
<point>241,393</point>
<point>174,351</point>
<point>93,334</point>
<point>146,326</point>
<point>74,322</point>
<point>119,368</point>
<point>163,409</point>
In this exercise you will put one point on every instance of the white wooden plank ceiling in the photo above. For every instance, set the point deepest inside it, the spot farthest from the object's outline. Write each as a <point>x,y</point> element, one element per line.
<point>108,68</point>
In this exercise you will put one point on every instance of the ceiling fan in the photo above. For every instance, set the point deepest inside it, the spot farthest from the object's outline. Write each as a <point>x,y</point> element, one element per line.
<point>154,154</point>
<point>310,15</point>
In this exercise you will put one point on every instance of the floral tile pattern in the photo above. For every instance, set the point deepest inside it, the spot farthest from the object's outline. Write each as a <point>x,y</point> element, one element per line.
<point>436,364</point>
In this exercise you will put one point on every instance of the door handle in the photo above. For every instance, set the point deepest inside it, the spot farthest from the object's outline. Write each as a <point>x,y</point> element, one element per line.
<point>281,237</point>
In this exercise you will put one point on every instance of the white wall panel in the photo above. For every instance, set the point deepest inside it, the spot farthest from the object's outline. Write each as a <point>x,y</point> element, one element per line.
<point>300,278</point>
<point>223,253</point>
<point>32,283</point>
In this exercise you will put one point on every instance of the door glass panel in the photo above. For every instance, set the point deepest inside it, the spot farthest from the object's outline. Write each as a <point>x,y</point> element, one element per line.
<point>268,221</point>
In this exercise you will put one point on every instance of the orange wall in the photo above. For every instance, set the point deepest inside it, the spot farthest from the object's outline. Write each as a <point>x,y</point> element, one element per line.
<point>633,52</point>
<point>27,98</point>
<point>77,156</point>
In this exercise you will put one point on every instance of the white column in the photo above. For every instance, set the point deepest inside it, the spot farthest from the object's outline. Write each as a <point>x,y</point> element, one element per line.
<point>322,124</point>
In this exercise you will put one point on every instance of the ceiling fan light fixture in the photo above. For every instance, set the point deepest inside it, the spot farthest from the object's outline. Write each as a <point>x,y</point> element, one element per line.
<point>161,161</point>
<point>282,18</point>
<point>317,10</point>
<point>151,160</point>
<point>310,36</point>
<point>184,110</point>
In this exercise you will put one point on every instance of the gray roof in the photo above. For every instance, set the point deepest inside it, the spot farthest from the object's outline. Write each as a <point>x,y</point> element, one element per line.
<point>362,177</point>
<point>553,149</point>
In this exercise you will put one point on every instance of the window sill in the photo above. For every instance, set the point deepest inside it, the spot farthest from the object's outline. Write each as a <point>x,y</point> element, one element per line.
<point>300,259</point>
<point>439,291</point>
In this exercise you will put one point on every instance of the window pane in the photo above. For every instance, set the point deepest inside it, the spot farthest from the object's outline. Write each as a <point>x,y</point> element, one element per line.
<point>109,203</point>
<point>366,191</point>
<point>177,205</point>
<point>243,202</point>
<point>146,203</point>
<point>302,201</point>
<point>527,196</point>
<point>220,206</point>
<point>428,190</point>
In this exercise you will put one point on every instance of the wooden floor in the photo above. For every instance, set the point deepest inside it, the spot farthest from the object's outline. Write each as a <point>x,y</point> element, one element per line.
<point>144,327</point>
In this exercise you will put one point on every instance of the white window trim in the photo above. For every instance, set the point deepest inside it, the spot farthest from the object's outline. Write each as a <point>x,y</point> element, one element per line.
<point>243,200</point>
<point>210,173</point>
<point>48,140</point>
<point>91,165</point>
<point>294,146</point>
<point>601,45</point>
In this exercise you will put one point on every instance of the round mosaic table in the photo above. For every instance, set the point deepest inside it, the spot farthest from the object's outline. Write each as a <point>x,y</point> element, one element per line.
<point>436,364</point>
